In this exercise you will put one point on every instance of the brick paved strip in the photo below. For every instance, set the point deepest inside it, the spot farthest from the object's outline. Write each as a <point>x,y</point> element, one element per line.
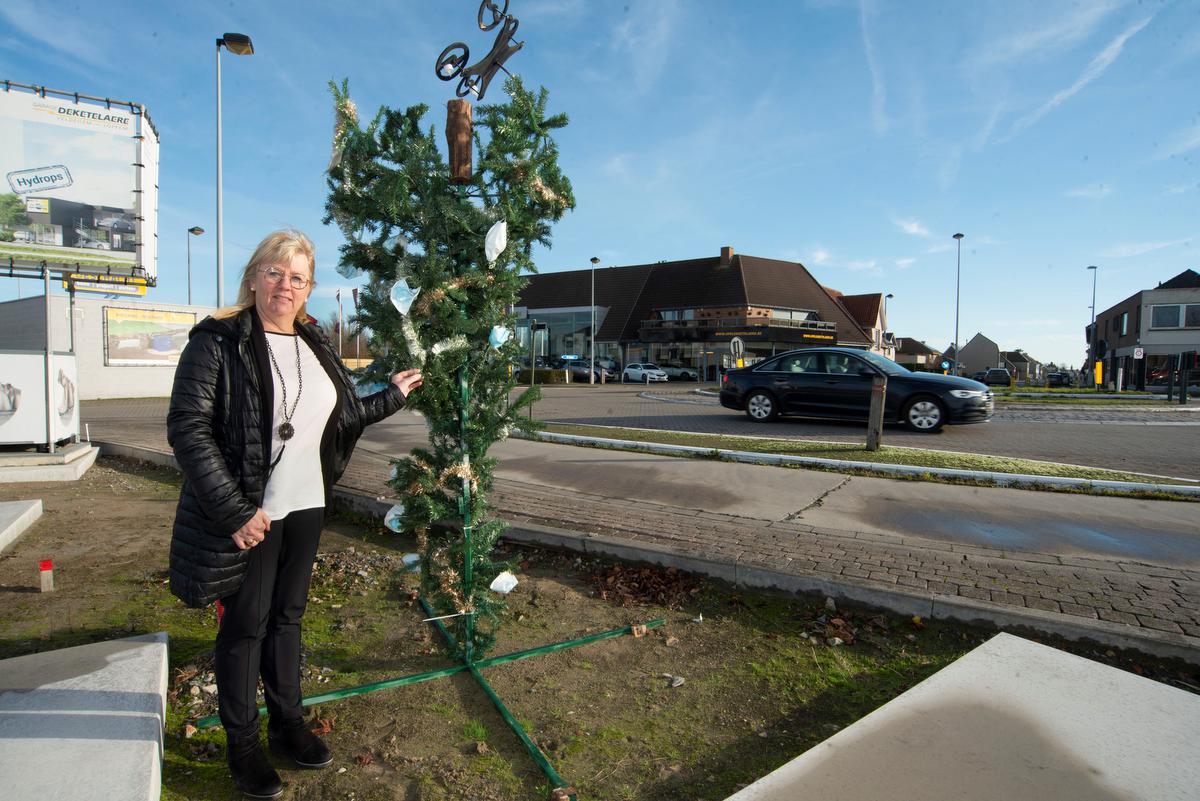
<point>1151,608</point>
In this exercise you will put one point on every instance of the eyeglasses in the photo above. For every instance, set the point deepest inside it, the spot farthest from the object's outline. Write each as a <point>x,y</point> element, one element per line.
<point>275,275</point>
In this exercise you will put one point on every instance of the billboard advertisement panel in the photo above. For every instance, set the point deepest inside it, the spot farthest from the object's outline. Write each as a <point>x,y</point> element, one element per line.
<point>145,336</point>
<point>80,182</point>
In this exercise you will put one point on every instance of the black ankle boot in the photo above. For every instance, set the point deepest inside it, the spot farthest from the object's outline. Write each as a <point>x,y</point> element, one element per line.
<point>294,740</point>
<point>251,771</point>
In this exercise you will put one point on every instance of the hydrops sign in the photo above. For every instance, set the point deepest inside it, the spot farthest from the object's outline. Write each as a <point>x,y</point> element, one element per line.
<point>82,179</point>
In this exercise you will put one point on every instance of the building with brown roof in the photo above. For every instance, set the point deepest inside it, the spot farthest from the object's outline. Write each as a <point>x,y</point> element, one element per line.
<point>686,312</point>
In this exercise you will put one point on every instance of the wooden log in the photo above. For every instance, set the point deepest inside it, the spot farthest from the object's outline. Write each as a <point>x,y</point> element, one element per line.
<point>875,417</point>
<point>458,137</point>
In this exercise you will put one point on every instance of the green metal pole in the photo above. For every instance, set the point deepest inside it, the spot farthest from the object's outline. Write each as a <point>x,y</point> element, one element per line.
<point>464,504</point>
<point>542,762</point>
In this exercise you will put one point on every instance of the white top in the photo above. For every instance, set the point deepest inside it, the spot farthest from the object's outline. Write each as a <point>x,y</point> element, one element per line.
<point>297,482</point>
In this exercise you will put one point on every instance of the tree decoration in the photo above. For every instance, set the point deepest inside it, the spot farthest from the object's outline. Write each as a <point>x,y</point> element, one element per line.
<point>449,258</point>
<point>495,242</point>
<point>392,519</point>
<point>402,296</point>
<point>499,335</point>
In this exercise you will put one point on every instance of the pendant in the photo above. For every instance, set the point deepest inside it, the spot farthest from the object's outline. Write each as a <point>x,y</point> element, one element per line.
<point>286,431</point>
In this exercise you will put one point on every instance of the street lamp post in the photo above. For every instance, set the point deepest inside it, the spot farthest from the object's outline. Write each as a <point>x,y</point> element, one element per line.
<point>240,45</point>
<point>957,284</point>
<point>592,330</point>
<point>195,230</point>
<point>1091,365</point>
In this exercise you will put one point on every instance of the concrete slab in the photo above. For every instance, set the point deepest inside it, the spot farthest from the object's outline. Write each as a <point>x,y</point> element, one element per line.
<point>67,471</point>
<point>15,518</point>
<point>63,455</point>
<point>85,722</point>
<point>1010,720</point>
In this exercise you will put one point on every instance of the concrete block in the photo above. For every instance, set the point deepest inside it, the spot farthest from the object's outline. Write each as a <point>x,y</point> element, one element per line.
<point>67,471</point>
<point>15,518</point>
<point>1010,720</point>
<point>85,722</point>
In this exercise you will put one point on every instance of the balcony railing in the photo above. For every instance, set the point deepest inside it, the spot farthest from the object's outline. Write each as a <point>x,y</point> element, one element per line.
<point>741,322</point>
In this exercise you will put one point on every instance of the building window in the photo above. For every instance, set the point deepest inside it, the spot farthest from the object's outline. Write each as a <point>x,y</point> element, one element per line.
<point>1124,323</point>
<point>1176,315</point>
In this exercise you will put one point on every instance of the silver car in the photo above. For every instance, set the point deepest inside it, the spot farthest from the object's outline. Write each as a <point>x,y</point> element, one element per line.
<point>643,372</point>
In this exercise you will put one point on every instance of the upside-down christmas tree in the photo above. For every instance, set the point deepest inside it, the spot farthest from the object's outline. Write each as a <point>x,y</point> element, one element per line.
<point>445,251</point>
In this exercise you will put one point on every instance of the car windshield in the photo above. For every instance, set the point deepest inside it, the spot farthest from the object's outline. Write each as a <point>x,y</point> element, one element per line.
<point>885,364</point>
<point>649,366</point>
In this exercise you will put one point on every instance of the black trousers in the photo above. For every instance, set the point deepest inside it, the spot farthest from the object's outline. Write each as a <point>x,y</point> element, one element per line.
<point>260,630</point>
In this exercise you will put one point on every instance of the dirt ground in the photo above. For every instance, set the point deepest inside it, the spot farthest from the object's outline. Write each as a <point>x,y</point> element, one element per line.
<point>763,677</point>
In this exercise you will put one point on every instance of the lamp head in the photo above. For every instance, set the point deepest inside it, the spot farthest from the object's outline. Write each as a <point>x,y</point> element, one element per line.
<point>195,230</point>
<point>889,296</point>
<point>594,260</point>
<point>237,43</point>
<point>958,236</point>
<point>1093,267</point>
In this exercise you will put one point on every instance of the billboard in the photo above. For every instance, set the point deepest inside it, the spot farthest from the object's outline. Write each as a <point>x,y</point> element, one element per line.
<point>80,182</point>
<point>145,336</point>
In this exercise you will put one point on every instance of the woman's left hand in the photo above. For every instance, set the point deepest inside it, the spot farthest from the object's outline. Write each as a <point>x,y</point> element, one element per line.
<point>407,381</point>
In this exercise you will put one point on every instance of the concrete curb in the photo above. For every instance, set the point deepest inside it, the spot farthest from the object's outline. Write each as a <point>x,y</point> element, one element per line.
<point>749,457</point>
<point>23,515</point>
<point>743,574</point>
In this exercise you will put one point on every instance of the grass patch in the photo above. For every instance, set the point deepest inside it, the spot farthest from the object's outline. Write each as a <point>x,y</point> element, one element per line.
<point>1051,400</point>
<point>915,457</point>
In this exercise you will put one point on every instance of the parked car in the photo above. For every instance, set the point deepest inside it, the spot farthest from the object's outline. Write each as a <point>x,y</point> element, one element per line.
<point>677,372</point>
<point>643,371</point>
<point>581,369</point>
<point>998,377</point>
<point>836,383</point>
<point>116,224</point>
<point>1059,380</point>
<point>979,375</point>
<point>23,236</point>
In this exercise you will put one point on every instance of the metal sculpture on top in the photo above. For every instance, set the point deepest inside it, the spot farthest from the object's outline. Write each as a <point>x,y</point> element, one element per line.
<point>452,62</point>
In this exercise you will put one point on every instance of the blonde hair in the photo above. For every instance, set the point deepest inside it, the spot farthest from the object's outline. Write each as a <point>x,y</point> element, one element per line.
<point>278,247</point>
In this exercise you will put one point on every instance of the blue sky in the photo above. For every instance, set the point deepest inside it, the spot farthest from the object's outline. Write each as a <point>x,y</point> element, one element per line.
<point>855,137</point>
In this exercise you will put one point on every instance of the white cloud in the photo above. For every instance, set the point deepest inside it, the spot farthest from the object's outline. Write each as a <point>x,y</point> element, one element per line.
<point>1181,143</point>
<point>879,119</point>
<point>645,36</point>
<point>1046,36</point>
<point>914,227</point>
<point>1101,62</point>
<point>904,264</point>
<point>1141,248</point>
<point>861,265</point>
<point>69,34</point>
<point>1178,189</point>
<point>618,167</point>
<point>942,248</point>
<point>819,256</point>
<point>1090,192</point>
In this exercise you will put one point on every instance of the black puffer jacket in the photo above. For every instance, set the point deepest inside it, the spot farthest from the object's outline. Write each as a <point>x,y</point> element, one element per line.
<point>219,426</point>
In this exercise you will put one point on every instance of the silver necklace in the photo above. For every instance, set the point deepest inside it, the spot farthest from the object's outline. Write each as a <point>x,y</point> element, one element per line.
<point>285,430</point>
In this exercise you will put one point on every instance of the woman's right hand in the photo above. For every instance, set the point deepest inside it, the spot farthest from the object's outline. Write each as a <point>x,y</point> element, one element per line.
<point>253,531</point>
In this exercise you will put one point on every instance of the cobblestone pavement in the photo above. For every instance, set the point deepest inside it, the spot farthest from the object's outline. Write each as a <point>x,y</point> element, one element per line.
<point>1150,603</point>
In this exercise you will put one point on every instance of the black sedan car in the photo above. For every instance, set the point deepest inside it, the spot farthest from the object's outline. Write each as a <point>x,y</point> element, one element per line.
<point>836,383</point>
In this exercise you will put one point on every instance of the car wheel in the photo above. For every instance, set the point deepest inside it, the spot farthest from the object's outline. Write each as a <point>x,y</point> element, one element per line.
<point>761,407</point>
<point>626,377</point>
<point>926,415</point>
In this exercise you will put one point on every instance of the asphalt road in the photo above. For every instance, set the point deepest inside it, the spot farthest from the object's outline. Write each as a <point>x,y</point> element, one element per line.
<point>1161,443</point>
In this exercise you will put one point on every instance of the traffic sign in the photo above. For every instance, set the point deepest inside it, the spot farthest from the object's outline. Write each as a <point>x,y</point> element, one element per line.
<point>945,365</point>
<point>737,347</point>
<point>1139,353</point>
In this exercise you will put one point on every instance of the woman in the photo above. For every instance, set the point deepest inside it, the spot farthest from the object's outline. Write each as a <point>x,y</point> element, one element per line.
<point>263,419</point>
